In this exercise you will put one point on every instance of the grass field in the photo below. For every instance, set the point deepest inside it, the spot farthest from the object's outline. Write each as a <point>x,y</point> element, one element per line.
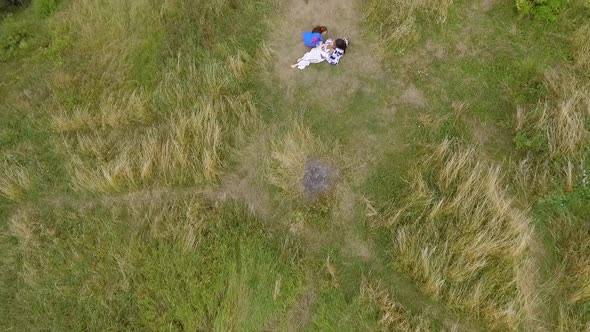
<point>156,160</point>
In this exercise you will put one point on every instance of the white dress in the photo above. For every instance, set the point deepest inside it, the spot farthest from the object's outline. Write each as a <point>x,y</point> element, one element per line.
<point>316,55</point>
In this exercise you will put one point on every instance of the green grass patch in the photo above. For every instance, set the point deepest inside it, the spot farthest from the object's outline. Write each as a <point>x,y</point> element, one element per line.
<point>215,269</point>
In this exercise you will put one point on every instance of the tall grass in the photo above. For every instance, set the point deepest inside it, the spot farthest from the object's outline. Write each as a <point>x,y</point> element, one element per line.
<point>144,94</point>
<point>15,181</point>
<point>186,149</point>
<point>152,262</point>
<point>556,141</point>
<point>396,20</point>
<point>289,154</point>
<point>463,239</point>
<point>573,272</point>
<point>393,316</point>
<point>556,131</point>
<point>557,126</point>
<point>565,125</point>
<point>581,46</point>
<point>139,104</point>
<point>113,112</point>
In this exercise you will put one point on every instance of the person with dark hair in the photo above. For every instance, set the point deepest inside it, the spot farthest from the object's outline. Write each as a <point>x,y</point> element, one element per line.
<point>319,29</point>
<point>314,37</point>
<point>341,45</point>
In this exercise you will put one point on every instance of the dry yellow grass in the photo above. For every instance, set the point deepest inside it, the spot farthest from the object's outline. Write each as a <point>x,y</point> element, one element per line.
<point>289,154</point>
<point>26,229</point>
<point>126,138</point>
<point>573,247</point>
<point>463,239</point>
<point>112,112</point>
<point>562,116</point>
<point>393,316</point>
<point>15,181</point>
<point>186,150</point>
<point>561,121</point>
<point>396,20</point>
<point>565,123</point>
<point>175,218</point>
<point>581,46</point>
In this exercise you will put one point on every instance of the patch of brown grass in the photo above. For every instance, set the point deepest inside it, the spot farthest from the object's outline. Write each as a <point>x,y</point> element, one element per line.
<point>15,181</point>
<point>289,154</point>
<point>462,238</point>
<point>573,248</point>
<point>26,229</point>
<point>395,20</point>
<point>566,122</point>
<point>174,127</point>
<point>561,121</point>
<point>187,150</point>
<point>581,46</point>
<point>113,112</point>
<point>393,316</point>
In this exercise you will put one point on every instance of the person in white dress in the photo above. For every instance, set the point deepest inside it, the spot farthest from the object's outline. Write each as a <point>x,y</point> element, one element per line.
<point>318,54</point>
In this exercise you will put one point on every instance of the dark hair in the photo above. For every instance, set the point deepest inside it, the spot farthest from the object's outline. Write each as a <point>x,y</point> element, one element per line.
<point>319,29</point>
<point>341,44</point>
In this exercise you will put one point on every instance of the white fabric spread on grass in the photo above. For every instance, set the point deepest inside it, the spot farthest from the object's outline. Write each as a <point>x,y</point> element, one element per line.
<point>316,55</point>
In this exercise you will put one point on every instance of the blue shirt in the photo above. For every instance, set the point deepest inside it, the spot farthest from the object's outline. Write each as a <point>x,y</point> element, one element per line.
<point>312,39</point>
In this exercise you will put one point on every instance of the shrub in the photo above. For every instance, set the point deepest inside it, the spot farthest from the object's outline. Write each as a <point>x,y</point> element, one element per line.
<point>14,38</point>
<point>44,8</point>
<point>12,42</point>
<point>542,9</point>
<point>530,141</point>
<point>14,2</point>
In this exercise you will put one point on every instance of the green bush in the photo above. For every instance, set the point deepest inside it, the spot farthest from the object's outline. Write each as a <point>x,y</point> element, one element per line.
<point>535,143</point>
<point>44,8</point>
<point>542,9</point>
<point>14,38</point>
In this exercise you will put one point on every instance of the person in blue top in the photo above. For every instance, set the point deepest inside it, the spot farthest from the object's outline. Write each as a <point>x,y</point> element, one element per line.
<point>314,37</point>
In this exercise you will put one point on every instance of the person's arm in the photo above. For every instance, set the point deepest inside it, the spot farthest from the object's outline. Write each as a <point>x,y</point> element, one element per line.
<point>315,41</point>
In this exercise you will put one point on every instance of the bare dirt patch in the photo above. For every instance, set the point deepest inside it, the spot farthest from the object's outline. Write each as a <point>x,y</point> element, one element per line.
<point>318,179</point>
<point>320,81</point>
<point>244,184</point>
<point>300,314</point>
<point>413,97</point>
<point>436,49</point>
<point>356,247</point>
<point>487,5</point>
